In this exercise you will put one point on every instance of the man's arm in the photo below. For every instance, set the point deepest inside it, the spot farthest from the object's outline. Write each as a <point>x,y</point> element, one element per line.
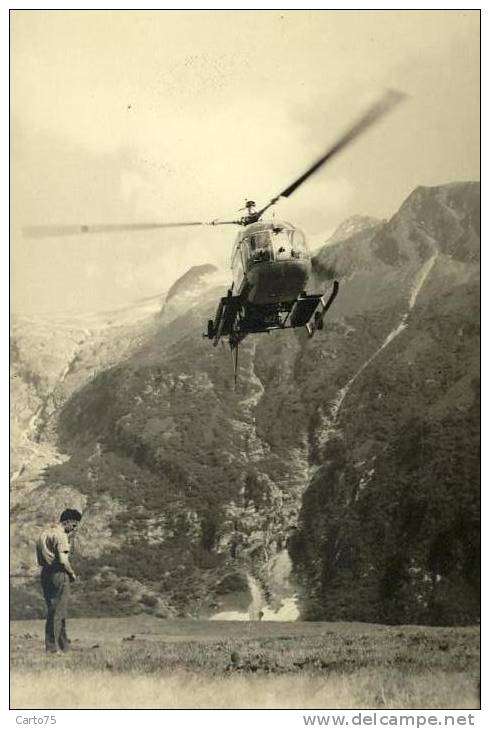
<point>64,558</point>
<point>63,553</point>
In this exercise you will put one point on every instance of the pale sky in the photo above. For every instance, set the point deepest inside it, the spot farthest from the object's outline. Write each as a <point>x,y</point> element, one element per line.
<point>124,116</point>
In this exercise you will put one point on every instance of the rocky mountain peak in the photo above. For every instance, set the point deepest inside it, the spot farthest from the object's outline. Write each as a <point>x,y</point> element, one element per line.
<point>190,280</point>
<point>352,226</point>
<point>192,289</point>
<point>444,218</point>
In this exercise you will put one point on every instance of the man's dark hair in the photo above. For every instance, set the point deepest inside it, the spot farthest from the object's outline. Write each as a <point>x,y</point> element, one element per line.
<point>70,515</point>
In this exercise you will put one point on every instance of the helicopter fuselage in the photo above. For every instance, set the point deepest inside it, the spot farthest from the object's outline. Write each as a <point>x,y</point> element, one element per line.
<point>270,263</point>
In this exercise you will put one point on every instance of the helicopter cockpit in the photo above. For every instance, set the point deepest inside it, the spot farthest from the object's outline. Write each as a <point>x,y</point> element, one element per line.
<point>268,242</point>
<point>273,243</point>
<point>288,243</point>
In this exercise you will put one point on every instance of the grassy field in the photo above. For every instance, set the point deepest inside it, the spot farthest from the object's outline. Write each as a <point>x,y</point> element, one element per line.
<point>143,662</point>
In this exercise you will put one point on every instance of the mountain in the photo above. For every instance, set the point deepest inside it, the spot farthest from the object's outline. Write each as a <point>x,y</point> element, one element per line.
<point>389,526</point>
<point>340,481</point>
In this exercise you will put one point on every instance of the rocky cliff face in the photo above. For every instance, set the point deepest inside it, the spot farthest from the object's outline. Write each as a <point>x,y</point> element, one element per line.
<point>338,482</point>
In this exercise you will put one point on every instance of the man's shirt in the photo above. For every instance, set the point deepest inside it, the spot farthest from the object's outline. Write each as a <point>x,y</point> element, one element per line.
<point>52,543</point>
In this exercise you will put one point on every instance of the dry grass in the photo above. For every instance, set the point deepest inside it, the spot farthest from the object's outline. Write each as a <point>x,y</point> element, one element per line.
<point>62,689</point>
<point>182,664</point>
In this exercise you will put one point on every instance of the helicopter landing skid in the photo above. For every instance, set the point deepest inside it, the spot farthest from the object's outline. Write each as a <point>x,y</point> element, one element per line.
<point>231,320</point>
<point>316,321</point>
<point>309,310</point>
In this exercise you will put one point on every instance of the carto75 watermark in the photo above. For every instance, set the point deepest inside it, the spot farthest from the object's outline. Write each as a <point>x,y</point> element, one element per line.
<point>38,720</point>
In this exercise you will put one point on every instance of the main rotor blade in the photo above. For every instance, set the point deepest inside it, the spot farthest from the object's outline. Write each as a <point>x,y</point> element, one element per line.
<point>44,231</point>
<point>373,114</point>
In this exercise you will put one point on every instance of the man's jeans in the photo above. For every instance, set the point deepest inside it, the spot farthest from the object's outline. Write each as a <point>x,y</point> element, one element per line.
<point>56,588</point>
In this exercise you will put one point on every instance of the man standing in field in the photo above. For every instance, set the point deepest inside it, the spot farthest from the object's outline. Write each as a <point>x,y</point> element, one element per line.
<point>53,555</point>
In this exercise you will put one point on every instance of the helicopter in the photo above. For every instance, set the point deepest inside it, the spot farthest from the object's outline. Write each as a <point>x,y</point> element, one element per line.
<point>270,260</point>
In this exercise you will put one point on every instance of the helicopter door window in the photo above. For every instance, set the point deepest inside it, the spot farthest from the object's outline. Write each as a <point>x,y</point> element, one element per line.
<point>245,253</point>
<point>298,244</point>
<point>237,267</point>
<point>259,248</point>
<point>282,245</point>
